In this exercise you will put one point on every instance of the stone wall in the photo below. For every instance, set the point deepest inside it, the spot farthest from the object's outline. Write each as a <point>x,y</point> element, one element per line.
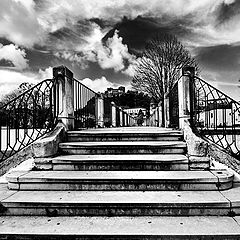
<point>201,152</point>
<point>16,159</point>
<point>47,147</point>
<point>222,157</point>
<point>197,149</point>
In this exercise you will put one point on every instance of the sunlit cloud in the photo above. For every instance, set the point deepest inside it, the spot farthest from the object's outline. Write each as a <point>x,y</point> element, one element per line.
<point>15,55</point>
<point>112,54</point>
<point>11,79</point>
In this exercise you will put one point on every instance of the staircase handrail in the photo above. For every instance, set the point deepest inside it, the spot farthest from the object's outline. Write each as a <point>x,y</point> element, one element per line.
<point>28,117</point>
<point>214,116</point>
<point>233,100</point>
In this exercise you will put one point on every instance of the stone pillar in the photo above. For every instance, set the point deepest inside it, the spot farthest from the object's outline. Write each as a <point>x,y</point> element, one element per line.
<point>131,121</point>
<point>114,122</point>
<point>121,116</point>
<point>128,120</point>
<point>160,114</point>
<point>184,95</point>
<point>166,111</point>
<point>99,111</point>
<point>125,119</point>
<point>65,95</point>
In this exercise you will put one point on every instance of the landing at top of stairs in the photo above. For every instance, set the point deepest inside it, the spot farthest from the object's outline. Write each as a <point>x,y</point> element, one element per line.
<point>128,130</point>
<point>125,134</point>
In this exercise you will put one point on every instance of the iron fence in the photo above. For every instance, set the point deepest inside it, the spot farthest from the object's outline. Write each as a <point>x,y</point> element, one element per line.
<point>28,117</point>
<point>215,116</point>
<point>85,107</point>
<point>36,112</point>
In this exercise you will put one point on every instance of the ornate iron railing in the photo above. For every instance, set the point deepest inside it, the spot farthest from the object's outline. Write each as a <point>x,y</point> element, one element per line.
<point>35,112</point>
<point>85,107</point>
<point>215,116</point>
<point>28,117</point>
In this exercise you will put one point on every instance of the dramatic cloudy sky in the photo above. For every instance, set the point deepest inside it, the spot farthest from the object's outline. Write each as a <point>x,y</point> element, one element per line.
<point>101,40</point>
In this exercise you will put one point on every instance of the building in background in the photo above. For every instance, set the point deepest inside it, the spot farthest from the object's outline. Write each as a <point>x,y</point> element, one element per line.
<point>114,92</point>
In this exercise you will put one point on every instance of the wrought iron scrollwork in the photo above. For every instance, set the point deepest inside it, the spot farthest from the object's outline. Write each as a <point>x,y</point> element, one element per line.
<point>28,117</point>
<point>216,116</point>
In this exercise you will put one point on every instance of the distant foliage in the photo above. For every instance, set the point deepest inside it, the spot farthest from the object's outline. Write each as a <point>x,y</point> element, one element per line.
<point>132,99</point>
<point>160,66</point>
<point>13,94</point>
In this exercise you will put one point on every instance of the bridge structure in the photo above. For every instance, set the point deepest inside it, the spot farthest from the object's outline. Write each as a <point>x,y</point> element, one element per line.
<point>97,175</point>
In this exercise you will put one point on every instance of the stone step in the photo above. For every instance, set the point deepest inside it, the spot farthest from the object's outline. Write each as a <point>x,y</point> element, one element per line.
<point>120,228</point>
<point>116,135</point>
<point>124,147</point>
<point>116,203</point>
<point>120,180</point>
<point>135,162</point>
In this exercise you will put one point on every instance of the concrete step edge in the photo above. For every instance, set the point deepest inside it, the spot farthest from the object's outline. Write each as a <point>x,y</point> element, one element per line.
<point>165,228</point>
<point>124,144</point>
<point>151,158</point>
<point>121,176</point>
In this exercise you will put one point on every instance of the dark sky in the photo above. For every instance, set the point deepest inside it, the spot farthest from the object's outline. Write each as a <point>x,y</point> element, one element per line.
<point>100,41</point>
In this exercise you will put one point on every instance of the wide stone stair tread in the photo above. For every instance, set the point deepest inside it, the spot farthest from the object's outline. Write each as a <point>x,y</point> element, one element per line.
<point>122,157</point>
<point>115,203</point>
<point>127,135</point>
<point>164,228</point>
<point>198,176</point>
<point>169,144</point>
<point>109,197</point>
<point>120,180</point>
<point>123,147</point>
<point>119,162</point>
<point>116,162</point>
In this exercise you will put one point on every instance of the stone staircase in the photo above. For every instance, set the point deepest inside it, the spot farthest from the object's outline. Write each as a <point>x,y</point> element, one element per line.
<point>123,183</point>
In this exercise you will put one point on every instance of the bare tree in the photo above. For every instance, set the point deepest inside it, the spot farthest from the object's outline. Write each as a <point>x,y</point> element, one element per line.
<point>160,66</point>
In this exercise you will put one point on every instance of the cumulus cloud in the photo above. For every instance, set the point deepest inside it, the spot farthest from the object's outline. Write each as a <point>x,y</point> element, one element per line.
<point>101,84</point>
<point>15,55</point>
<point>19,23</point>
<point>65,11</point>
<point>198,18</point>
<point>112,54</point>
<point>26,22</point>
<point>98,84</point>
<point>64,27</point>
<point>46,73</point>
<point>11,79</point>
<point>219,23</point>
